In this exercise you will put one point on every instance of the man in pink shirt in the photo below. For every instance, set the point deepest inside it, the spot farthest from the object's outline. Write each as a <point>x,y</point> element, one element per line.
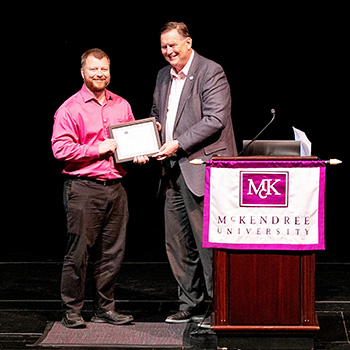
<point>94,199</point>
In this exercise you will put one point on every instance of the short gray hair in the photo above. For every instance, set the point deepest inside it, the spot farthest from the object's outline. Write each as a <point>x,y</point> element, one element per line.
<point>181,28</point>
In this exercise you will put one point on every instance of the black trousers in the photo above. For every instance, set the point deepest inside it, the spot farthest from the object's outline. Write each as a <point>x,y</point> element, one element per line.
<point>97,217</point>
<point>191,264</point>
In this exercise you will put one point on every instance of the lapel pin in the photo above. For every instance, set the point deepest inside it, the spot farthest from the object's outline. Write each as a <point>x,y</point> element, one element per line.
<point>191,77</point>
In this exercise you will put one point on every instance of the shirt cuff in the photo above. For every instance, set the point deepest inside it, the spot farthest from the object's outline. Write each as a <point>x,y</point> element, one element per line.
<point>94,151</point>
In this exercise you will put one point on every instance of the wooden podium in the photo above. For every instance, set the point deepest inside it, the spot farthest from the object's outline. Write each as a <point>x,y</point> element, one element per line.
<point>264,299</point>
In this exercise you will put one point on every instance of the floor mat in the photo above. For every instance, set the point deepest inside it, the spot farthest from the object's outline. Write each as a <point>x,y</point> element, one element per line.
<point>102,334</point>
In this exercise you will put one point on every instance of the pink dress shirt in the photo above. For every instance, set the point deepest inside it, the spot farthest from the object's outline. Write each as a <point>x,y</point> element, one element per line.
<point>81,124</point>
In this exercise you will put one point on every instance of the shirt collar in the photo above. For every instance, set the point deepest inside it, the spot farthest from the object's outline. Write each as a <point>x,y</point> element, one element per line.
<point>184,71</point>
<point>87,96</point>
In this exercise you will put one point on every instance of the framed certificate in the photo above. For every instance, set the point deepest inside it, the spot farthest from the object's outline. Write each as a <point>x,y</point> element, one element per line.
<point>137,138</point>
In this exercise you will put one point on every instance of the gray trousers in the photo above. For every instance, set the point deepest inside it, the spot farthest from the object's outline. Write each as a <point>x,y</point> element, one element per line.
<point>97,217</point>
<point>191,264</point>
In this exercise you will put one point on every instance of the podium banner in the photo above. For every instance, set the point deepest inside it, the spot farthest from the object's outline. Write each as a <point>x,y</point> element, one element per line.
<point>264,205</point>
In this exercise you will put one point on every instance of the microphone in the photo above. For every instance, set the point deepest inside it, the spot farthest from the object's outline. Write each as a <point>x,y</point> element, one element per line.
<point>260,132</point>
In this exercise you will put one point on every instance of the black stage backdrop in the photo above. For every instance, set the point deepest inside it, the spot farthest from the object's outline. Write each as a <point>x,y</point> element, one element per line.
<point>292,59</point>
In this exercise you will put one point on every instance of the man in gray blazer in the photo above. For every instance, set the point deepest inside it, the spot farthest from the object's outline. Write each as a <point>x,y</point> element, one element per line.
<point>192,105</point>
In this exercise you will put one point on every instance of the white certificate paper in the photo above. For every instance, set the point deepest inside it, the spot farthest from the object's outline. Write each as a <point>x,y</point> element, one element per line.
<point>138,138</point>
<point>305,144</point>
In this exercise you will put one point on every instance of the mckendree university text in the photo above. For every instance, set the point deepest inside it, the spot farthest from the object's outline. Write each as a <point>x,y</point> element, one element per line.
<point>263,225</point>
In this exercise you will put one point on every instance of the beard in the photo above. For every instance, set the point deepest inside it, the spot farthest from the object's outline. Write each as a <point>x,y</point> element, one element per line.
<point>96,86</point>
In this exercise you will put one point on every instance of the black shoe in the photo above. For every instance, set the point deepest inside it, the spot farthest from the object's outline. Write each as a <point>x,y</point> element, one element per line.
<point>73,320</point>
<point>112,317</point>
<point>183,316</point>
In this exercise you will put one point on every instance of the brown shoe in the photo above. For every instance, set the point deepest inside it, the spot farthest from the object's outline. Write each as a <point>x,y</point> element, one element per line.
<point>112,317</point>
<point>182,316</point>
<point>73,320</point>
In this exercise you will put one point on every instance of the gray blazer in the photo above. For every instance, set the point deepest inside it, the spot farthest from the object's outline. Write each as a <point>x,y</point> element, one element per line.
<point>203,124</point>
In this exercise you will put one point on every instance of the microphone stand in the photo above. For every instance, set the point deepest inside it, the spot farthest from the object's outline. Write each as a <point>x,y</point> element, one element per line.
<point>273,117</point>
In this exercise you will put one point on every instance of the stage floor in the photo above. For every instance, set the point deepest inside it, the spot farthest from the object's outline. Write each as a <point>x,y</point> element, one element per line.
<point>29,299</point>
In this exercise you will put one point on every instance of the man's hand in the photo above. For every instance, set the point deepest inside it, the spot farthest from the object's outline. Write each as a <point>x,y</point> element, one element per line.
<point>107,146</point>
<point>141,160</point>
<point>167,150</point>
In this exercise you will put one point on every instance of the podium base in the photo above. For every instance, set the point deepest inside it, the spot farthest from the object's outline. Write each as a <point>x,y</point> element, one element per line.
<point>266,337</point>
<point>265,342</point>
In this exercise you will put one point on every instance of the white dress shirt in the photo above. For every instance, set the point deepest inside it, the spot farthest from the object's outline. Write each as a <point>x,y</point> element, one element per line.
<point>177,84</point>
